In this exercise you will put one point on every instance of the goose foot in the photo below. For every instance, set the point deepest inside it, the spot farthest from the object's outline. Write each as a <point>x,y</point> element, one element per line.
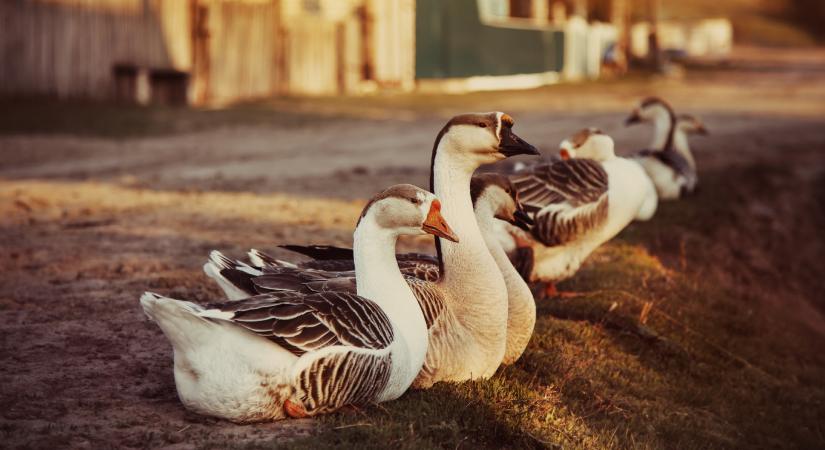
<point>295,410</point>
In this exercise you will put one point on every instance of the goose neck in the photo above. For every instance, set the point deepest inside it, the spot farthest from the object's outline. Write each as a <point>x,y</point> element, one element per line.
<point>662,131</point>
<point>521,307</point>
<point>680,144</point>
<point>516,287</point>
<point>378,279</point>
<point>377,275</point>
<point>462,262</point>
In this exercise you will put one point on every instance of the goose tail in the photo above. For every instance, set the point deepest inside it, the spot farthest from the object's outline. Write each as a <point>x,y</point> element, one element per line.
<point>181,321</point>
<point>233,277</point>
<point>261,259</point>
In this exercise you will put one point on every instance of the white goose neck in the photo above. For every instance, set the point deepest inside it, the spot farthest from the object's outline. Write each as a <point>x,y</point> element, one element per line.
<point>485,215</point>
<point>469,260</point>
<point>661,130</point>
<point>378,278</point>
<point>521,307</point>
<point>487,223</point>
<point>680,144</point>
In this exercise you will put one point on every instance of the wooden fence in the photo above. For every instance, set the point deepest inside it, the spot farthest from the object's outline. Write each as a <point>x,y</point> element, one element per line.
<point>230,49</point>
<point>69,49</point>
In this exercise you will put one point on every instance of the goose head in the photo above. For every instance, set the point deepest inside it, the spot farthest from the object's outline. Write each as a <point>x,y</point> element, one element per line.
<point>481,138</point>
<point>689,124</point>
<point>405,209</point>
<point>650,110</point>
<point>499,195</point>
<point>588,143</point>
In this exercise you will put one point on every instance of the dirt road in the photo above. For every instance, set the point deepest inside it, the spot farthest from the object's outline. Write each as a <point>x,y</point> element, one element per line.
<point>88,222</point>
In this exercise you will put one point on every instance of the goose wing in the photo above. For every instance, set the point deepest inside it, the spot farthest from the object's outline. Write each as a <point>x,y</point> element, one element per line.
<point>419,265</point>
<point>274,279</point>
<point>670,158</point>
<point>566,199</point>
<point>430,299</point>
<point>307,281</point>
<point>422,270</point>
<point>683,174</point>
<point>340,259</point>
<point>303,323</point>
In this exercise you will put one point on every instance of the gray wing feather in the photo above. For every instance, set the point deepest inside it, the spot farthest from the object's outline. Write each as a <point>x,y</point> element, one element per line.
<point>566,199</point>
<point>302,323</point>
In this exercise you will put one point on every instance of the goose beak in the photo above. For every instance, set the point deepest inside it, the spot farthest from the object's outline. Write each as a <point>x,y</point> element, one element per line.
<point>512,145</point>
<point>518,218</point>
<point>436,225</point>
<point>633,118</point>
<point>564,154</point>
<point>702,130</point>
<point>522,220</point>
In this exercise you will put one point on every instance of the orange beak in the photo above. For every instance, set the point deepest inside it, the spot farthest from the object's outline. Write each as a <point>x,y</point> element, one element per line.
<point>436,225</point>
<point>565,155</point>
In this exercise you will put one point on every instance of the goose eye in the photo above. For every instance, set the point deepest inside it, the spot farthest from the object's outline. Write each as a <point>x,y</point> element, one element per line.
<point>482,125</point>
<point>415,200</point>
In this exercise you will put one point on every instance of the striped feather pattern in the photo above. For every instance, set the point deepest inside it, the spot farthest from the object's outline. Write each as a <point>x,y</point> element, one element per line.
<point>566,198</point>
<point>308,281</point>
<point>340,259</point>
<point>302,323</point>
<point>340,379</point>
<point>417,268</point>
<point>429,299</point>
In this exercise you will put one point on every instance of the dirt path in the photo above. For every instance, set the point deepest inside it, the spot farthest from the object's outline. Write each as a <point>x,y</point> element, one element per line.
<point>88,223</point>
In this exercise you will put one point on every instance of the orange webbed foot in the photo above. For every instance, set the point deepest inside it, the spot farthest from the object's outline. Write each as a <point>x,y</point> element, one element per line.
<point>295,410</point>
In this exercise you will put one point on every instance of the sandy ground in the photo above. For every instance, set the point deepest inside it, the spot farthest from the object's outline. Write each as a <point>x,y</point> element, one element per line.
<point>88,223</point>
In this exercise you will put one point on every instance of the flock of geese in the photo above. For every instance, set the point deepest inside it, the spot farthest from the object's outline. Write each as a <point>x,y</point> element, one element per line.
<point>351,327</point>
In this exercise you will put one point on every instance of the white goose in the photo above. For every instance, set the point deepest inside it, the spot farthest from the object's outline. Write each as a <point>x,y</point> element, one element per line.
<point>289,354</point>
<point>466,308</point>
<point>668,159</point>
<point>577,205</point>
<point>495,199</point>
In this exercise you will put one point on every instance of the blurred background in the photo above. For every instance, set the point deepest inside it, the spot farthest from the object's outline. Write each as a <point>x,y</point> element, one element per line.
<point>216,52</point>
<point>138,135</point>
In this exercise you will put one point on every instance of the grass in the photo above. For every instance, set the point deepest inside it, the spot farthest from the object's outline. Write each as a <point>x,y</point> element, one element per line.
<point>711,367</point>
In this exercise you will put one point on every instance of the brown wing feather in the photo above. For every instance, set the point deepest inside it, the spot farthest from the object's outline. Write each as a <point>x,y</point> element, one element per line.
<point>302,323</point>
<point>566,199</point>
<point>340,379</point>
<point>429,299</point>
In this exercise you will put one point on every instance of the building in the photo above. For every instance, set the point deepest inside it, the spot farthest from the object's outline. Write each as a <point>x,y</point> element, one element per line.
<point>213,52</point>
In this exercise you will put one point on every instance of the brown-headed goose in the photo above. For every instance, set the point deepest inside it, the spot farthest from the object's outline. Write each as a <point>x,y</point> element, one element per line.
<point>466,307</point>
<point>668,159</point>
<point>495,199</point>
<point>291,354</point>
<point>577,204</point>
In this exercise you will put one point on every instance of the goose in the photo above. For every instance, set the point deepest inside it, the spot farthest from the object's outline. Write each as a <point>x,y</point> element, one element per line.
<point>668,160</point>
<point>577,204</point>
<point>466,307</point>
<point>495,199</point>
<point>286,354</point>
